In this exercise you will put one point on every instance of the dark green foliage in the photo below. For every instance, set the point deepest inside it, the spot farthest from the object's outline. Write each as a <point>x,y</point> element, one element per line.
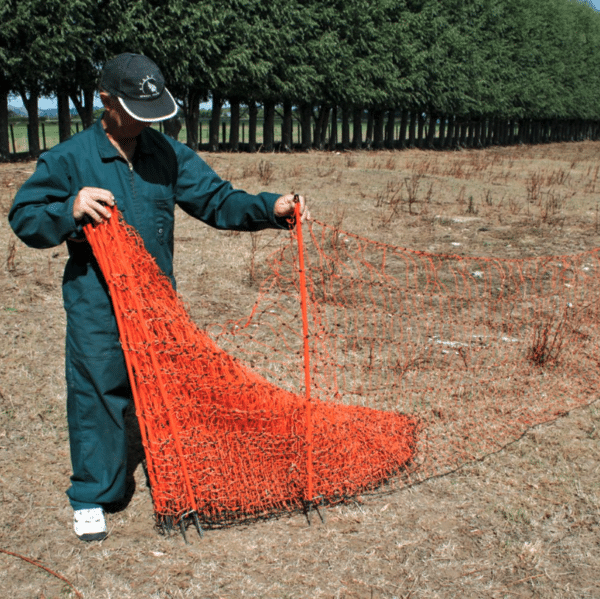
<point>467,60</point>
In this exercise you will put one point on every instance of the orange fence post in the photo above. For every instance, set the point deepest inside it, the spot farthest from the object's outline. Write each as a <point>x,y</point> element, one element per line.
<point>304,307</point>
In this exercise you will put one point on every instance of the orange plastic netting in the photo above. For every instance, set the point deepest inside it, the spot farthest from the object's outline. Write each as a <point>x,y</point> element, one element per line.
<point>417,363</point>
<point>221,441</point>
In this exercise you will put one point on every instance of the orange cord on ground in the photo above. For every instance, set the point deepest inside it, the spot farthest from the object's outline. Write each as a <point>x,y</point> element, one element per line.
<point>37,564</point>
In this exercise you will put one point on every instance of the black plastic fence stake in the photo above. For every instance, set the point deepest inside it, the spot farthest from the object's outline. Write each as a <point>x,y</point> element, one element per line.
<point>182,528</point>
<point>197,525</point>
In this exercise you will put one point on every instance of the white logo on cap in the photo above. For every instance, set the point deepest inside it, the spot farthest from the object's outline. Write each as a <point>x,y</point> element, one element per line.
<point>148,87</point>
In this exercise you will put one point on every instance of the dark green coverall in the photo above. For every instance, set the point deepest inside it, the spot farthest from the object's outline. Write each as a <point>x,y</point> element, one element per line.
<point>163,173</point>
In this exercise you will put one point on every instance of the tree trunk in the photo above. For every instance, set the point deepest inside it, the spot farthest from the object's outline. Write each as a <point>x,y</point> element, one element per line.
<point>488,132</point>
<point>553,131</point>
<point>431,130</point>
<point>446,134</point>
<point>477,134</point>
<point>321,126</point>
<point>370,126</point>
<point>463,134</point>
<point>306,123</point>
<point>345,127</point>
<point>403,127</point>
<point>64,116</point>
<point>333,138</point>
<point>324,126</point>
<point>234,125</point>
<point>215,122</point>
<point>30,101</point>
<point>269,125</point>
<point>87,118</point>
<point>523,131</point>
<point>378,125</point>
<point>412,129</point>
<point>172,127</point>
<point>456,133</point>
<point>84,103</point>
<point>421,128</point>
<point>4,142</point>
<point>252,125</point>
<point>441,130</point>
<point>451,135</point>
<point>519,139</point>
<point>470,132</point>
<point>191,110</point>
<point>390,129</point>
<point>510,132</point>
<point>357,115</point>
<point>287,127</point>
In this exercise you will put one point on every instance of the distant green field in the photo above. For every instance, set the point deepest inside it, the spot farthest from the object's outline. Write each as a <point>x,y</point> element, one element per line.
<point>49,133</point>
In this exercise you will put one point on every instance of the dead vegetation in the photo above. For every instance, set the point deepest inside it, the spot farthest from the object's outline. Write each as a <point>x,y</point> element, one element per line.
<point>524,522</point>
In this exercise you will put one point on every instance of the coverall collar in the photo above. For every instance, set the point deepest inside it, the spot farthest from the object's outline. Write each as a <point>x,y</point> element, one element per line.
<point>107,151</point>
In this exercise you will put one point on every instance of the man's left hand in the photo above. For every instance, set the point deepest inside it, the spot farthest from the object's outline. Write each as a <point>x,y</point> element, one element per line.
<point>285,206</point>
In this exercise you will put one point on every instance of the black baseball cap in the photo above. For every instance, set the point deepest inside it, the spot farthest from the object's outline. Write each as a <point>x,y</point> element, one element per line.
<point>140,86</point>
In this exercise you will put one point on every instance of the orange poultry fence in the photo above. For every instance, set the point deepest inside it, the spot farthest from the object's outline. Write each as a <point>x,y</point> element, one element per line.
<point>361,365</point>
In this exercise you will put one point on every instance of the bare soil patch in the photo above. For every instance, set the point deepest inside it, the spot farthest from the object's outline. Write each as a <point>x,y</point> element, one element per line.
<point>524,522</point>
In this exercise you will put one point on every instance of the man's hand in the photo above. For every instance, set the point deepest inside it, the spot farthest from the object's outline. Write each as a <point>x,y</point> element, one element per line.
<point>285,207</point>
<point>92,202</point>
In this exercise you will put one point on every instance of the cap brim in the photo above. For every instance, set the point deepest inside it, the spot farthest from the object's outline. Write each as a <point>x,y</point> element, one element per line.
<point>150,111</point>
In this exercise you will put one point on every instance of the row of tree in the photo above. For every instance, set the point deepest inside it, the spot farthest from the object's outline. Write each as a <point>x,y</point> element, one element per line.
<point>504,63</point>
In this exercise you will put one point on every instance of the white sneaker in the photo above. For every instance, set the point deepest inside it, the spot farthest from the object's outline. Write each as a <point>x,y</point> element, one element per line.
<point>90,524</point>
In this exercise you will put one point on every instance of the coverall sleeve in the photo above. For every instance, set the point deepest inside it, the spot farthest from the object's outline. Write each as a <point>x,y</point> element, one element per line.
<point>42,212</point>
<point>207,197</point>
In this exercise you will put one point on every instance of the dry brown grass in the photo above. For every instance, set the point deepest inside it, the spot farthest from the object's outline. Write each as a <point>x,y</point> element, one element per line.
<point>524,522</point>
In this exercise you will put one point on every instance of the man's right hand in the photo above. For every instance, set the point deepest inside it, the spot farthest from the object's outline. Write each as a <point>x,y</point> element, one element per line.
<point>92,202</point>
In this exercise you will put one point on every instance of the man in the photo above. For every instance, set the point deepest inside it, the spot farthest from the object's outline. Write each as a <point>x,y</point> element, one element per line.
<point>119,160</point>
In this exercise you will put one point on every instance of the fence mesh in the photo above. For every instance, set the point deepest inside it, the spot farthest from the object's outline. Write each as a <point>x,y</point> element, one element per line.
<point>417,363</point>
<point>221,441</point>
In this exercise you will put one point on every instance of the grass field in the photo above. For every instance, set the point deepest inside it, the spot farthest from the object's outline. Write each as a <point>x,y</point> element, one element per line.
<point>49,134</point>
<point>523,522</point>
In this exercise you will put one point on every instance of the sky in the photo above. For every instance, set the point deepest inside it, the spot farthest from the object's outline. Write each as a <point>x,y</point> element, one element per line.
<point>46,103</point>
